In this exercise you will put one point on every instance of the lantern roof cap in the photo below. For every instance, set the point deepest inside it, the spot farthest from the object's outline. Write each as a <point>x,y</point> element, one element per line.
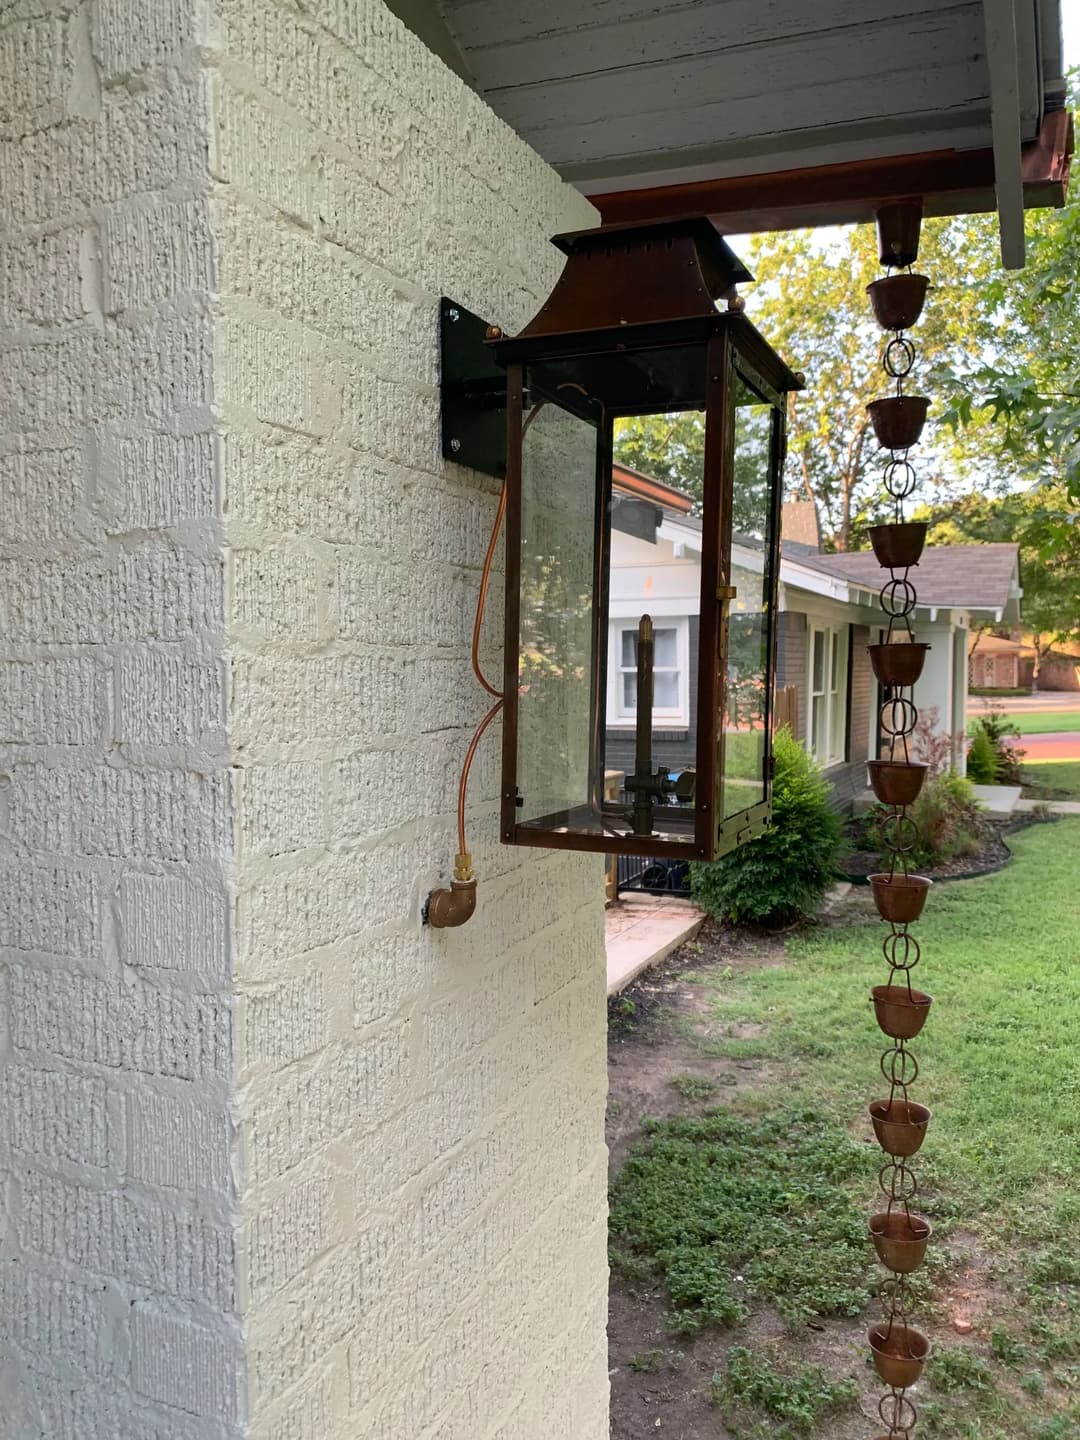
<point>647,273</point>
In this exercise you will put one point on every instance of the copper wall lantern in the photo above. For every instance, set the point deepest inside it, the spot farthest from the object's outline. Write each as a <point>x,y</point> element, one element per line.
<point>629,727</point>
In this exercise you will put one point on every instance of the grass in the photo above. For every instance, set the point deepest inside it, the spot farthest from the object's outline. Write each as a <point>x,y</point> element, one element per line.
<point>799,1399</point>
<point>1045,722</point>
<point>1052,780</point>
<point>720,1204</point>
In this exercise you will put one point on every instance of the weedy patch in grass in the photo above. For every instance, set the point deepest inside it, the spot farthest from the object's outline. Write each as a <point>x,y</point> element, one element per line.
<point>729,1210</point>
<point>956,1367</point>
<point>799,1399</point>
<point>695,1087</point>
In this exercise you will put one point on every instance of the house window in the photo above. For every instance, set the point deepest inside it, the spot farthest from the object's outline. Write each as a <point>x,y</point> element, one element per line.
<point>671,673</point>
<point>828,695</point>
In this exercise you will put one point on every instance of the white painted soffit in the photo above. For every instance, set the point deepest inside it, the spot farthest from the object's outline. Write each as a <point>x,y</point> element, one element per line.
<point>623,93</point>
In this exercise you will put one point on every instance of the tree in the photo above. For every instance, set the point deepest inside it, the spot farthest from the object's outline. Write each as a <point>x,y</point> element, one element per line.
<point>811,303</point>
<point>1039,520</point>
<point>1015,401</point>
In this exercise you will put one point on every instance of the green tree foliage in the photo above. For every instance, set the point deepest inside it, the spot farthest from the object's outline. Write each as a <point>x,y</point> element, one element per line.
<point>1015,395</point>
<point>1041,521</point>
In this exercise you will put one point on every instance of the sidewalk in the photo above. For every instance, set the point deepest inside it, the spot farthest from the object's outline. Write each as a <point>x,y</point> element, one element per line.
<point>641,929</point>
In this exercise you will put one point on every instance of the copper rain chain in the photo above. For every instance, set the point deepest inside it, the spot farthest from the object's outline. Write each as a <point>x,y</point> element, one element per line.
<point>899,1234</point>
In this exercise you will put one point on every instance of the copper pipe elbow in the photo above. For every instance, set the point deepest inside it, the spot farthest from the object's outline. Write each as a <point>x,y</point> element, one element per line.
<point>446,908</point>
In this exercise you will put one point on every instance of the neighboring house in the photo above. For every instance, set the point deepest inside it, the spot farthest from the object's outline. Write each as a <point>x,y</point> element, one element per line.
<point>996,663</point>
<point>828,615</point>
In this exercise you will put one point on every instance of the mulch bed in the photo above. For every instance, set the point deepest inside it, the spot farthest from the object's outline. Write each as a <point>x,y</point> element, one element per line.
<point>994,855</point>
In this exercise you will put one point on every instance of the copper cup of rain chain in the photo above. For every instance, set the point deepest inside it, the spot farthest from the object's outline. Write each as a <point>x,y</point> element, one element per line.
<point>900,1125</point>
<point>899,898</point>
<point>896,782</point>
<point>897,301</point>
<point>900,1239</point>
<point>898,226</point>
<point>898,421</point>
<point>898,664</point>
<point>901,1013</point>
<point>899,1353</point>
<point>900,545</point>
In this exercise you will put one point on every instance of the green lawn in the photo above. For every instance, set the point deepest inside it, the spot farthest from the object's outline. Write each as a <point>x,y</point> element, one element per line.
<point>1000,1069</point>
<point>1052,780</point>
<point>1046,722</point>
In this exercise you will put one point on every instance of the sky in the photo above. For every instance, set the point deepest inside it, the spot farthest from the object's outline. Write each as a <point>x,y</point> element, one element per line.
<point>1070,26</point>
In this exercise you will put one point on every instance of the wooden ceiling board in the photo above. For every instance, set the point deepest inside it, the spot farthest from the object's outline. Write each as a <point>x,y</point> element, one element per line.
<point>795,85</point>
<point>540,49</point>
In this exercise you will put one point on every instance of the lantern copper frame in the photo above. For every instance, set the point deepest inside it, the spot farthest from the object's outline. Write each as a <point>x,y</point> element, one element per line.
<point>625,294</point>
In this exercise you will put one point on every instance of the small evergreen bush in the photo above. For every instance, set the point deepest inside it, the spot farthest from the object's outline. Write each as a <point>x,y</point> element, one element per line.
<point>1001,732</point>
<point>784,873</point>
<point>982,764</point>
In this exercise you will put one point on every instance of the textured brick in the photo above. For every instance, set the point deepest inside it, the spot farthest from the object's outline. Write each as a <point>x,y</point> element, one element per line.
<point>164,479</point>
<point>40,277</point>
<point>281,808</point>
<point>155,252</point>
<point>171,815</point>
<point>35,60</point>
<point>177,1143</point>
<point>293,913</point>
<point>152,593</point>
<point>52,702</point>
<point>184,1364</point>
<point>262,155</point>
<point>276,593</point>
<point>93,1410</point>
<point>40,495</point>
<point>132,37</point>
<point>303,1109</point>
<point>46,1316</point>
<point>56,1116</point>
<point>172,924</point>
<point>285,1022</point>
<point>50,910</point>
<point>170,700</point>
<point>387,969</point>
<point>133,1027</point>
<point>289,1233</point>
<point>333,697</point>
<point>132,1240</point>
<point>143,141</point>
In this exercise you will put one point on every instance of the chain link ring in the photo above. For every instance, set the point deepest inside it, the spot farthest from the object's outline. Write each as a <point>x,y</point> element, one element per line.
<point>895,1068</point>
<point>901,950</point>
<point>898,597</point>
<point>898,357</point>
<point>900,479</point>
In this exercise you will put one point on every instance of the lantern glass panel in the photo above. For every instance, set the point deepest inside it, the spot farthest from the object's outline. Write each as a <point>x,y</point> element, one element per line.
<point>749,639</point>
<point>593,562</point>
<point>558,597</point>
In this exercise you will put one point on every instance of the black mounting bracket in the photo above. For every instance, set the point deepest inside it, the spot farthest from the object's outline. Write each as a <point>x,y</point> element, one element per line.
<point>473,392</point>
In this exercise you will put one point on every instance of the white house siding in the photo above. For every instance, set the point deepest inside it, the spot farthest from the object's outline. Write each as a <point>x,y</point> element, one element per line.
<point>220,424</point>
<point>119,1282</point>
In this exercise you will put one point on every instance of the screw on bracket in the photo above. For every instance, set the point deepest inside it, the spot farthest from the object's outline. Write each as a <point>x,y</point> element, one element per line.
<point>455,445</point>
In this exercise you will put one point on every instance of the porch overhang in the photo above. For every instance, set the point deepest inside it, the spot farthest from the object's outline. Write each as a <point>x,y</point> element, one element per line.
<point>771,116</point>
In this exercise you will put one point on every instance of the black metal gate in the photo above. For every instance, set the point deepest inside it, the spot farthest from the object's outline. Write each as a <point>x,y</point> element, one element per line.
<point>656,877</point>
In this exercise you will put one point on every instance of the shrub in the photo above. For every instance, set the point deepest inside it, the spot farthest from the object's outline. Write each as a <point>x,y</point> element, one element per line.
<point>1001,732</point>
<point>982,763</point>
<point>784,873</point>
<point>948,820</point>
<point>936,749</point>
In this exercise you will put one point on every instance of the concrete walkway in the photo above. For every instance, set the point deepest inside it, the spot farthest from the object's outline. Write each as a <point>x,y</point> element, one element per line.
<point>641,930</point>
<point>1056,807</point>
<point>998,800</point>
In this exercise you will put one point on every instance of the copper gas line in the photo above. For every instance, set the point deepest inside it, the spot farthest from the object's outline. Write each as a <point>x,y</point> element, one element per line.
<point>454,906</point>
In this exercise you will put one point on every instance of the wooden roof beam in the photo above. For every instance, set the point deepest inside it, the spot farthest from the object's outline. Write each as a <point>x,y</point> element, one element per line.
<point>999,17</point>
<point>950,182</point>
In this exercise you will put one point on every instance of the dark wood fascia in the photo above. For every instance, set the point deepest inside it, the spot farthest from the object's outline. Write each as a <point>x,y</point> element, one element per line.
<point>950,182</point>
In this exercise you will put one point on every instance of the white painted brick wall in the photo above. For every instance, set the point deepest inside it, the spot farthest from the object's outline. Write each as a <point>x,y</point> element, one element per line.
<point>279,1163</point>
<point>119,1275</point>
<point>445,1089</point>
